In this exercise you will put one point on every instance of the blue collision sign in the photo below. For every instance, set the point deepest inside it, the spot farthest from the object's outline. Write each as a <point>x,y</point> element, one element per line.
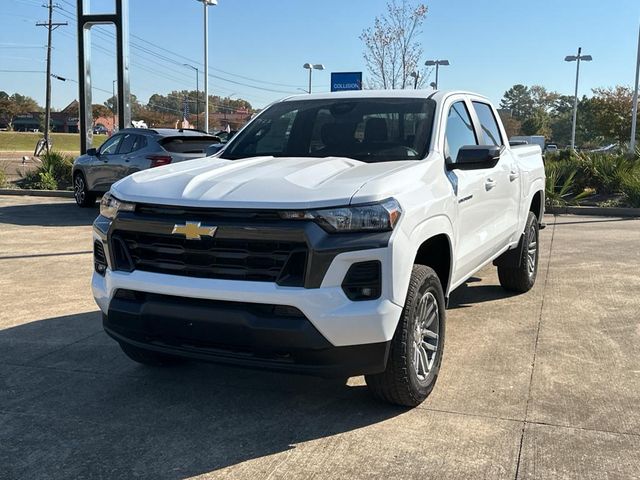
<point>341,81</point>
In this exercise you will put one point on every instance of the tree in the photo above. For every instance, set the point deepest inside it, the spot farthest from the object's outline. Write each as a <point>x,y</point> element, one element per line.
<point>391,47</point>
<point>612,113</point>
<point>537,123</point>
<point>518,101</point>
<point>511,125</point>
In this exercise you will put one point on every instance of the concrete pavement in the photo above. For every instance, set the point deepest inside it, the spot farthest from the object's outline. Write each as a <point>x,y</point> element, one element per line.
<point>541,385</point>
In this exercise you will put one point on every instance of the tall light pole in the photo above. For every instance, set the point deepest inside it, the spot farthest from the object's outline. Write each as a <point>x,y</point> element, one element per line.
<point>114,105</point>
<point>311,67</point>
<point>206,3</point>
<point>634,114</point>
<point>577,59</point>
<point>197,94</point>
<point>416,77</point>
<point>437,63</point>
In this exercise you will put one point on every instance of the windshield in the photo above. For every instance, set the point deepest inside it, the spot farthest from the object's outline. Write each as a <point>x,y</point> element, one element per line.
<point>367,129</point>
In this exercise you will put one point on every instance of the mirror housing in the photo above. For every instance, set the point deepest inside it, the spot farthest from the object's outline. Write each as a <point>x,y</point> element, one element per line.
<point>473,157</point>
<point>92,152</point>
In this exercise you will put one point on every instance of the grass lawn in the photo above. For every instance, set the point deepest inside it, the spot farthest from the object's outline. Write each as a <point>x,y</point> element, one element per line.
<point>26,141</point>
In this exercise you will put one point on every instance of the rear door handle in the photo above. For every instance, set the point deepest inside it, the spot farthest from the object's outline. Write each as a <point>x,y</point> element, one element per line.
<point>513,175</point>
<point>489,184</point>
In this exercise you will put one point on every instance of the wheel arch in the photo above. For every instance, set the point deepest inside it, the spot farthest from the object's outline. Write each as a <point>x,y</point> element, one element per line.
<point>431,243</point>
<point>437,252</point>
<point>536,205</point>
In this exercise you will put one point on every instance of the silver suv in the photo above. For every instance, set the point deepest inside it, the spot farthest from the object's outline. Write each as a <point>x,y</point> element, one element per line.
<point>131,150</point>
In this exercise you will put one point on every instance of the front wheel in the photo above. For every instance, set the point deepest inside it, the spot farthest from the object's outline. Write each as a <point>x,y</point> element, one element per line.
<point>417,345</point>
<point>522,278</point>
<point>84,198</point>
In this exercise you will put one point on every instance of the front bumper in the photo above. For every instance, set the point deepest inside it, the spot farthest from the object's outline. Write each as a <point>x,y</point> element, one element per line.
<point>339,320</point>
<point>356,334</point>
<point>247,334</point>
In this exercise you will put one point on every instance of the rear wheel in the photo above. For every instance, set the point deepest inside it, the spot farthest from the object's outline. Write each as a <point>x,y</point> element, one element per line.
<point>522,278</point>
<point>417,345</point>
<point>149,357</point>
<point>84,198</point>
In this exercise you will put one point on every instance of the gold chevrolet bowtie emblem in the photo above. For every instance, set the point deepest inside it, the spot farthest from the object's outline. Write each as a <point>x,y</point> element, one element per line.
<point>193,230</point>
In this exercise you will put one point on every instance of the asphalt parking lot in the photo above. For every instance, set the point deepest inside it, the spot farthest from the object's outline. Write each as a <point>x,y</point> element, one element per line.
<point>541,385</point>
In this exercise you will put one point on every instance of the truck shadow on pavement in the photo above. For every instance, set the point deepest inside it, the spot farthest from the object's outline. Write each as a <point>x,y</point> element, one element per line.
<point>473,291</point>
<point>61,214</point>
<point>72,405</point>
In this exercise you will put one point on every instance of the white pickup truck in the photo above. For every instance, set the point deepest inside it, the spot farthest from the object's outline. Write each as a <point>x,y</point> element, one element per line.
<point>325,238</point>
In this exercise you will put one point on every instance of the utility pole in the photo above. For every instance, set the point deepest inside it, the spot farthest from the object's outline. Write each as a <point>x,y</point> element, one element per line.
<point>51,26</point>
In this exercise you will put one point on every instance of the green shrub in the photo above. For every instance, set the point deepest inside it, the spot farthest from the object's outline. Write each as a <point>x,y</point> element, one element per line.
<point>607,171</point>
<point>52,174</point>
<point>3,177</point>
<point>561,185</point>
<point>46,181</point>
<point>630,185</point>
<point>59,166</point>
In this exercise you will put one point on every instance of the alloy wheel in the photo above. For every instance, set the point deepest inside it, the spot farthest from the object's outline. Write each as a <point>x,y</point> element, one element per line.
<point>425,336</point>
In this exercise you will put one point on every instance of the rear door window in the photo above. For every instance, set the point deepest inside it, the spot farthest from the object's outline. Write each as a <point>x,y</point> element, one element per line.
<point>127,144</point>
<point>490,131</point>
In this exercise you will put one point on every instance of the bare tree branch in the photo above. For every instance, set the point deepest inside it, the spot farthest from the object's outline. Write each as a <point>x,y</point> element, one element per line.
<point>392,50</point>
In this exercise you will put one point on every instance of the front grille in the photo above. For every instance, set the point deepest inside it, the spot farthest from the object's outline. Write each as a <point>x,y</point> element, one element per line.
<point>277,261</point>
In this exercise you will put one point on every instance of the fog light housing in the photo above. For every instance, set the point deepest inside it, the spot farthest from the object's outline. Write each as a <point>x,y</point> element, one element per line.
<point>99,258</point>
<point>363,281</point>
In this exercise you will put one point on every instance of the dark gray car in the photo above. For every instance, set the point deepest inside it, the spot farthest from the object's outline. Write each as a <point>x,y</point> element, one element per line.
<point>131,150</point>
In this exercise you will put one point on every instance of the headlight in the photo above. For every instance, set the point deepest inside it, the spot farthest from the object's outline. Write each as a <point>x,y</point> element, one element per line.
<point>110,206</point>
<point>372,217</point>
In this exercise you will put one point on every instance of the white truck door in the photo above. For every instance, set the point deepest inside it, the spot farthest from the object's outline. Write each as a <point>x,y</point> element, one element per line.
<point>502,182</point>
<point>472,211</point>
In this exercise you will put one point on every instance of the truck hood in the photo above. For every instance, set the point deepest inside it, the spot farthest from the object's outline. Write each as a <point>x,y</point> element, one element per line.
<point>258,182</point>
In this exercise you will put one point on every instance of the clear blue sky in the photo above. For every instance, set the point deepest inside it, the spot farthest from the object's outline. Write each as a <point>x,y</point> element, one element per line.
<point>491,45</point>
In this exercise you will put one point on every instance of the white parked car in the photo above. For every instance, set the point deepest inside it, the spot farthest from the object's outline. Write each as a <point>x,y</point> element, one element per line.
<point>325,238</point>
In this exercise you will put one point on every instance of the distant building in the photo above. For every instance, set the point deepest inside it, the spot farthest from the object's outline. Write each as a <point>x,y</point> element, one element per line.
<point>65,121</point>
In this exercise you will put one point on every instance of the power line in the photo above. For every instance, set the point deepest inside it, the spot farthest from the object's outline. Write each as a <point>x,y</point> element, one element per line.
<point>22,71</point>
<point>175,62</point>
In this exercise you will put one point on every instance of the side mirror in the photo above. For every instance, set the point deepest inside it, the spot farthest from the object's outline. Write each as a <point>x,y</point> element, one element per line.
<point>92,152</point>
<point>472,157</point>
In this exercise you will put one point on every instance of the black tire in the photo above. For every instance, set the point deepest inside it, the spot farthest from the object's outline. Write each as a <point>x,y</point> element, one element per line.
<point>522,278</point>
<point>84,198</point>
<point>149,357</point>
<point>405,382</point>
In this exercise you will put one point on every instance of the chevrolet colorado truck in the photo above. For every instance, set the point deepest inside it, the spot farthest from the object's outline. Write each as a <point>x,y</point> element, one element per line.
<point>325,238</point>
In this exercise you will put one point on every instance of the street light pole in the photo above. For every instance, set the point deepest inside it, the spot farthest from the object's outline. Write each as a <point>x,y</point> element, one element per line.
<point>114,105</point>
<point>311,67</point>
<point>634,114</point>
<point>416,76</point>
<point>197,93</point>
<point>437,63</point>
<point>577,59</point>
<point>206,3</point>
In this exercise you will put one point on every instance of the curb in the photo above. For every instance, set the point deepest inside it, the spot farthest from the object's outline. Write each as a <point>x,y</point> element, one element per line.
<point>595,211</point>
<point>37,193</point>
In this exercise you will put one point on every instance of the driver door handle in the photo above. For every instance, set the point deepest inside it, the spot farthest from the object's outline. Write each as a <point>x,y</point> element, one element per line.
<point>489,184</point>
<point>513,175</point>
